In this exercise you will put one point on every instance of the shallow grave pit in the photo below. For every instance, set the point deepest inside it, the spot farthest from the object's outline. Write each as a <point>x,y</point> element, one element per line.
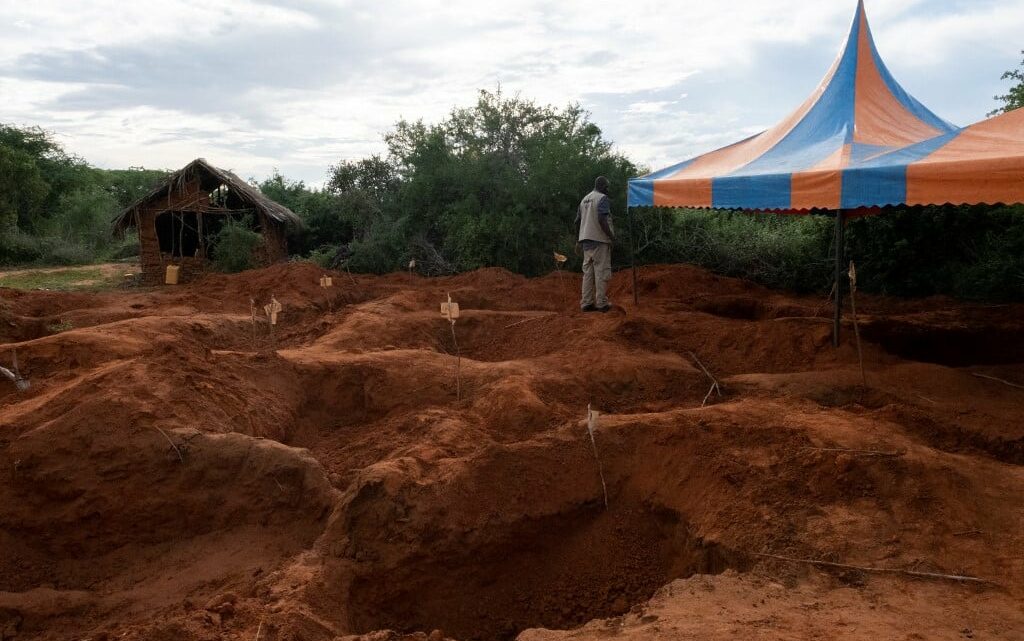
<point>557,572</point>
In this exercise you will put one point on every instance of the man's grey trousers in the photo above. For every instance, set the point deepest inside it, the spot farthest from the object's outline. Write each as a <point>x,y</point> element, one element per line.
<point>597,271</point>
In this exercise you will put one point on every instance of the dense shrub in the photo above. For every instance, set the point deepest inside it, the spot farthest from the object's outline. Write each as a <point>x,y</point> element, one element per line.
<point>967,252</point>
<point>233,251</point>
<point>789,252</point>
<point>974,252</point>
<point>322,256</point>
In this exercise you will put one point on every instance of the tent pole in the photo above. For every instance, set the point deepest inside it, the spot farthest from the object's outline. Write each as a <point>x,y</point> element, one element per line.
<point>840,242</point>
<point>632,255</point>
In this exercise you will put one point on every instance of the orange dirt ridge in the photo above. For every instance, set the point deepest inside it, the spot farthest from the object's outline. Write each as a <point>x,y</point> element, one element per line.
<point>173,474</point>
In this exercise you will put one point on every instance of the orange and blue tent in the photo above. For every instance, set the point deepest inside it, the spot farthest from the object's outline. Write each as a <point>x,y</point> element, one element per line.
<point>860,141</point>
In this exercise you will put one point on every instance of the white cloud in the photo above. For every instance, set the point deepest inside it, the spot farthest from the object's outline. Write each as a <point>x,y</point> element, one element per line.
<point>257,84</point>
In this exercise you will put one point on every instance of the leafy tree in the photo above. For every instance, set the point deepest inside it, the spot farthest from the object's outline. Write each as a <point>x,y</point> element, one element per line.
<point>129,185</point>
<point>498,183</point>
<point>1014,99</point>
<point>289,193</point>
<point>375,176</point>
<point>83,217</point>
<point>62,172</point>
<point>23,190</point>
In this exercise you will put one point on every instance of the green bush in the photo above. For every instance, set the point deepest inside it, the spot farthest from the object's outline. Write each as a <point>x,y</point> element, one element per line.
<point>973,253</point>
<point>236,241</point>
<point>19,249</point>
<point>322,257</point>
<point>970,252</point>
<point>128,247</point>
<point>790,252</point>
<point>384,247</point>
<point>61,252</point>
<point>83,218</point>
<point>22,249</point>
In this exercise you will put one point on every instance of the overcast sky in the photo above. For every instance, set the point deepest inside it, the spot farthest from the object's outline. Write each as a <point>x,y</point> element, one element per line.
<point>254,85</point>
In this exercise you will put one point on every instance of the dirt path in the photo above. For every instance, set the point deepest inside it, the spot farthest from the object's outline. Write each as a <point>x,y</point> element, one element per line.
<point>177,472</point>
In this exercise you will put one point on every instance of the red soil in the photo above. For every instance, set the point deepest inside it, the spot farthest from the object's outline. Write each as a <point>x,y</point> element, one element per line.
<point>337,488</point>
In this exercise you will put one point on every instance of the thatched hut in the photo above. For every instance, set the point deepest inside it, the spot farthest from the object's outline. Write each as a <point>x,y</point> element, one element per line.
<point>179,220</point>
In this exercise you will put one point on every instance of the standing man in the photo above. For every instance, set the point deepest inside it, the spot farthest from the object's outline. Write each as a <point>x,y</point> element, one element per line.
<point>595,239</point>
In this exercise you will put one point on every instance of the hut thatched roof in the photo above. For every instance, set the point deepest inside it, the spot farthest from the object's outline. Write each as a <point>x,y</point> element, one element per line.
<point>210,178</point>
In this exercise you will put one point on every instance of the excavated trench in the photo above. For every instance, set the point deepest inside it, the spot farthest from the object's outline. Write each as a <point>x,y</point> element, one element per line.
<point>956,345</point>
<point>556,572</point>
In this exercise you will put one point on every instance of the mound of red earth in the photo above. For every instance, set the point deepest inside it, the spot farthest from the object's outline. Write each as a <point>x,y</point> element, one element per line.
<point>178,472</point>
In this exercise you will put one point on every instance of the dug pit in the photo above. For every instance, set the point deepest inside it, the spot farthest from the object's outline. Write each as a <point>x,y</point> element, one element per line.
<point>556,572</point>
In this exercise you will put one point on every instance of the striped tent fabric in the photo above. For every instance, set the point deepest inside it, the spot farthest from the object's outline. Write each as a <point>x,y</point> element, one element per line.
<point>860,141</point>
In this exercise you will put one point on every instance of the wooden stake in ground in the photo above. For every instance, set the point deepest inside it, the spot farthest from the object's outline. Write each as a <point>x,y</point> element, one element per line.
<point>450,311</point>
<point>272,309</point>
<point>326,282</point>
<point>591,428</point>
<point>252,314</point>
<point>559,263</point>
<point>856,326</point>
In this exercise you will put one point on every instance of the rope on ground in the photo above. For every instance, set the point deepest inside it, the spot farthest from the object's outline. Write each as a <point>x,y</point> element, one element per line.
<point>849,451</point>
<point>176,450</point>
<point>922,575</point>
<point>998,380</point>
<point>530,320</point>
<point>714,381</point>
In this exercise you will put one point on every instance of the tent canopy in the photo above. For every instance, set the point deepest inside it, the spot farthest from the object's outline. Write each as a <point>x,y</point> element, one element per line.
<point>859,141</point>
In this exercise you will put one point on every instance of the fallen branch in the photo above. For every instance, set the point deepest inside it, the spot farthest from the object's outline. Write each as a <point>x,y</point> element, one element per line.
<point>258,630</point>
<point>528,320</point>
<point>176,450</point>
<point>849,451</point>
<point>998,380</point>
<point>968,533</point>
<point>860,568</point>
<point>714,381</point>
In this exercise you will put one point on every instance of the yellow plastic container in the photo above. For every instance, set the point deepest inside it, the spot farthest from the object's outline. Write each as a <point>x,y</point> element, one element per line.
<point>172,274</point>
